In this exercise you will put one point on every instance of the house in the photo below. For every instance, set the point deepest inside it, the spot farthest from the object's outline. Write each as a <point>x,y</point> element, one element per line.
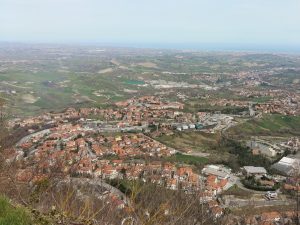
<point>216,170</point>
<point>214,184</point>
<point>252,171</point>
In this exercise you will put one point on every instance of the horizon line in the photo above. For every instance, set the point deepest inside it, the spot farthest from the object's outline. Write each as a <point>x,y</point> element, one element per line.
<point>180,46</point>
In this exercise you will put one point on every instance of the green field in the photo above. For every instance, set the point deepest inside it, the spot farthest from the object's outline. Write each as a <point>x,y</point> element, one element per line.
<point>191,141</point>
<point>268,125</point>
<point>187,159</point>
<point>34,81</point>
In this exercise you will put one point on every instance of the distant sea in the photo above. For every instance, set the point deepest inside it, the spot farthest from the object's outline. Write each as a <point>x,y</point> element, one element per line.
<point>217,47</point>
<point>214,47</point>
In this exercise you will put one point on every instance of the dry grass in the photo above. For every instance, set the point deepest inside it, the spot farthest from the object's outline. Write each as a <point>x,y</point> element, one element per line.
<point>191,141</point>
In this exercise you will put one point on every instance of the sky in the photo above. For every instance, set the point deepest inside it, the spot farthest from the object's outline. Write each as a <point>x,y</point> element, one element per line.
<point>161,22</point>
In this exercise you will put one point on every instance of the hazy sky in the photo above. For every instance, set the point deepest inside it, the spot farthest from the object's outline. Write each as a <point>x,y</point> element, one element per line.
<point>152,21</point>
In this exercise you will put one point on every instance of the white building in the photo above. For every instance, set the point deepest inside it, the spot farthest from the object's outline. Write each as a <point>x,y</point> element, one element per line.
<point>253,170</point>
<point>287,166</point>
<point>217,170</point>
<point>192,126</point>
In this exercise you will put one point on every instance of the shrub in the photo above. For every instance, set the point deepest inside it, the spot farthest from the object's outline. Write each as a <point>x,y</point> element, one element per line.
<point>250,185</point>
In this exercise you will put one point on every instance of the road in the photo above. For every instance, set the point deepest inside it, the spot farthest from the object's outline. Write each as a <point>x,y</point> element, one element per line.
<point>26,138</point>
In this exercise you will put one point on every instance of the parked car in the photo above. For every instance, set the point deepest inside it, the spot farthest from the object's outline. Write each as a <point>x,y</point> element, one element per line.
<point>270,195</point>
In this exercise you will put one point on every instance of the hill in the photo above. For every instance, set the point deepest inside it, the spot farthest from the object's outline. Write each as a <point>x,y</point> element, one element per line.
<point>268,125</point>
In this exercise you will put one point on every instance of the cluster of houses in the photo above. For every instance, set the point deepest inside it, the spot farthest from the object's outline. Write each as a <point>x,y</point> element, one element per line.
<point>132,112</point>
<point>166,174</point>
<point>212,182</point>
<point>73,144</point>
<point>83,152</point>
<point>285,106</point>
<point>277,100</point>
<point>135,114</point>
<point>217,178</point>
<point>80,150</point>
<point>229,102</point>
<point>151,102</point>
<point>46,118</point>
<point>73,150</point>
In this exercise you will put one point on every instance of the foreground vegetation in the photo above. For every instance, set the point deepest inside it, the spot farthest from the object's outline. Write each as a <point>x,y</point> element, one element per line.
<point>10,215</point>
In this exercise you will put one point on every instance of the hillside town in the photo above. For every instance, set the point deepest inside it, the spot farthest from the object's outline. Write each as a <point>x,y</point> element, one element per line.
<point>120,144</point>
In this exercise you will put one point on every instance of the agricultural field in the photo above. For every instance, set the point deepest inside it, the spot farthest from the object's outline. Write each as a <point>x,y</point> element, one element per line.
<point>37,78</point>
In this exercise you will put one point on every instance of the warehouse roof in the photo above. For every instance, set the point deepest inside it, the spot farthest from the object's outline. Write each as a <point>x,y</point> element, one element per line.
<point>255,170</point>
